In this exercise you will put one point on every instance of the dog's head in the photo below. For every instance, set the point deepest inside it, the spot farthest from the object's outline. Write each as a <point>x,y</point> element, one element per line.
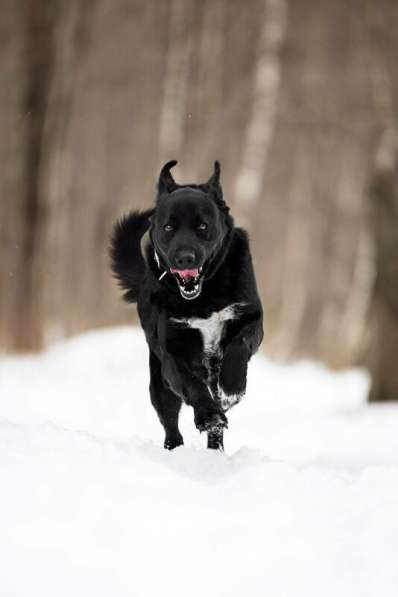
<point>189,228</point>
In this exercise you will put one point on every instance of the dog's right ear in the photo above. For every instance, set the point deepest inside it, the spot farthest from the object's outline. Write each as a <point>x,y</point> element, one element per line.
<point>166,183</point>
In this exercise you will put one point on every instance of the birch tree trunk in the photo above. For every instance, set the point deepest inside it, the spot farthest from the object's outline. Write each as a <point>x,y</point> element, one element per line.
<point>261,125</point>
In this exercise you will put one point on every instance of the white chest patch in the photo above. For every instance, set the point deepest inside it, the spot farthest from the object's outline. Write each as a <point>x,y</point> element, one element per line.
<point>212,327</point>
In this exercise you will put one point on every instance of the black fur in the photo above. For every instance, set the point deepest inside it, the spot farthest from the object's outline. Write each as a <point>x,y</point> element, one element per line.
<point>190,229</point>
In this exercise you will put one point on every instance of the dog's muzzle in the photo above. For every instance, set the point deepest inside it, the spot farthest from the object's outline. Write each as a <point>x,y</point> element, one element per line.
<point>189,282</point>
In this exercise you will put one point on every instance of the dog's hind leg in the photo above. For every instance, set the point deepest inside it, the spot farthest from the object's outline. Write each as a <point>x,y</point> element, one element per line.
<point>166,404</point>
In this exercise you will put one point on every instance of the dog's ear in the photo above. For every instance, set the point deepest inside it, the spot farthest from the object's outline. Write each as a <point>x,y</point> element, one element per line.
<point>166,183</point>
<point>214,181</point>
<point>213,186</point>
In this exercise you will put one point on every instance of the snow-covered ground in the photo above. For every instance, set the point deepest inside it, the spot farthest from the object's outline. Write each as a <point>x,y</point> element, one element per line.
<point>304,502</point>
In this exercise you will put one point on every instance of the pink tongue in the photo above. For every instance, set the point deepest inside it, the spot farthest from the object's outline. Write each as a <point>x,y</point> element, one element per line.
<point>185,273</point>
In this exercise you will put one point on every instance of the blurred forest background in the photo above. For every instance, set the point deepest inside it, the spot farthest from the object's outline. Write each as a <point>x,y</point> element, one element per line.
<point>298,99</point>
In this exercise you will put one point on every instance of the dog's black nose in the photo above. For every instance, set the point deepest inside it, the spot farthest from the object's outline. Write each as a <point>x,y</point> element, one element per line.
<point>185,259</point>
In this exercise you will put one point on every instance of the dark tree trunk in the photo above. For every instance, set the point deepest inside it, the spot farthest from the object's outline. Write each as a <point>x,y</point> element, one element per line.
<point>382,23</point>
<point>12,166</point>
<point>384,321</point>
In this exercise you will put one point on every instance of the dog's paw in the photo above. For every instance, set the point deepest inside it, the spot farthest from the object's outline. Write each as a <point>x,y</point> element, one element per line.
<point>226,400</point>
<point>173,441</point>
<point>211,421</point>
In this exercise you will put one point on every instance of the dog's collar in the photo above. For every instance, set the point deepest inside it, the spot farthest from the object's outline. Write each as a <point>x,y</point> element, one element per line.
<point>158,264</point>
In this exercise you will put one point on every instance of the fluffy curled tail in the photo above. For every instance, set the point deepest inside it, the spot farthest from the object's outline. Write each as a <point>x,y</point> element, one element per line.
<point>127,261</point>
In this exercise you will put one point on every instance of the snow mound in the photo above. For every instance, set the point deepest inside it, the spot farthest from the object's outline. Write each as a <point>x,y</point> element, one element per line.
<point>304,501</point>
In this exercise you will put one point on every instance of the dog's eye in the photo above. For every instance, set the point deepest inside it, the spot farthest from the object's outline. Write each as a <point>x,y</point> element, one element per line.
<point>168,227</point>
<point>202,226</point>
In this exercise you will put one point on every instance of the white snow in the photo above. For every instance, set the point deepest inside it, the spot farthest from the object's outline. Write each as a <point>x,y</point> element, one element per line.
<point>303,503</point>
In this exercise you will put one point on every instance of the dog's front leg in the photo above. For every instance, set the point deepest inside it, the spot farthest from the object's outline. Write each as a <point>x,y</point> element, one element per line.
<point>233,375</point>
<point>207,413</point>
<point>233,372</point>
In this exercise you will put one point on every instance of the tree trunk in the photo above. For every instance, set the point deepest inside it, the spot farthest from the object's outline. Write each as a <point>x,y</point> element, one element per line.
<point>26,59</point>
<point>13,135</point>
<point>382,23</point>
<point>384,322</point>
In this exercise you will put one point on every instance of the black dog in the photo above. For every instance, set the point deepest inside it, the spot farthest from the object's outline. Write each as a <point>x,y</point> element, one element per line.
<point>197,301</point>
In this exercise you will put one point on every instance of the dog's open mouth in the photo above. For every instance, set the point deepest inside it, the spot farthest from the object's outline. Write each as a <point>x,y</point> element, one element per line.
<point>189,282</point>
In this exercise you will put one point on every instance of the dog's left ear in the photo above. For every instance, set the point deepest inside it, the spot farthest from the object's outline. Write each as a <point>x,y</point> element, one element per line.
<point>214,181</point>
<point>213,185</point>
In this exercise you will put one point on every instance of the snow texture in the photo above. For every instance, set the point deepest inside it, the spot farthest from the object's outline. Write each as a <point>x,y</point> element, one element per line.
<point>303,503</point>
